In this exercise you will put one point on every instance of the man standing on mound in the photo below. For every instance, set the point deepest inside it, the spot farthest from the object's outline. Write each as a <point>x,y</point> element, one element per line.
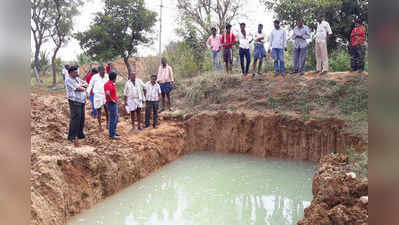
<point>322,33</point>
<point>112,105</point>
<point>166,82</point>
<point>228,40</point>
<point>134,97</point>
<point>76,94</point>
<point>97,85</point>
<point>278,43</point>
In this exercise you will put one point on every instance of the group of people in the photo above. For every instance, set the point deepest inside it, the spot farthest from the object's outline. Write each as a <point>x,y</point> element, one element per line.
<point>99,87</point>
<point>278,44</point>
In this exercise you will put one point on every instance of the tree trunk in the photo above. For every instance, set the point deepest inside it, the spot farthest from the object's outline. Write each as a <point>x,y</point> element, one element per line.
<point>54,66</point>
<point>129,69</point>
<point>36,66</point>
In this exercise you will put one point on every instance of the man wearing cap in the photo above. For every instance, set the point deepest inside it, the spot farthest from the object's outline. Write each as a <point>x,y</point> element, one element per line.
<point>358,48</point>
<point>97,85</point>
<point>228,40</point>
<point>322,34</point>
<point>76,94</point>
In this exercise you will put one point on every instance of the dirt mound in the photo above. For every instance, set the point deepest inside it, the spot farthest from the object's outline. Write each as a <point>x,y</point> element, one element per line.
<point>338,196</point>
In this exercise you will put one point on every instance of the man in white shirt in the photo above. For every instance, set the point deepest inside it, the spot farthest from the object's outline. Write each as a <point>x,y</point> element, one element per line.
<point>244,40</point>
<point>323,31</point>
<point>97,85</point>
<point>65,72</point>
<point>134,97</point>
<point>259,50</point>
<point>152,93</point>
<point>278,43</point>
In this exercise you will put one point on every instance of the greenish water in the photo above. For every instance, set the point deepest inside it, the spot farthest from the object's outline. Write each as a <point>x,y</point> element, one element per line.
<point>211,189</point>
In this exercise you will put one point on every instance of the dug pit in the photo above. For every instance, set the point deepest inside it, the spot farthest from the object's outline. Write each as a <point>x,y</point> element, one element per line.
<point>66,181</point>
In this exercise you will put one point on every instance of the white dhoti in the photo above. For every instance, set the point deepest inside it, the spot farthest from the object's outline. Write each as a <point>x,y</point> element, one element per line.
<point>99,101</point>
<point>133,104</point>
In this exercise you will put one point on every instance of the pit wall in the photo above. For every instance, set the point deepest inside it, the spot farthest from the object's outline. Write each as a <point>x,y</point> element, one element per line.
<point>64,186</point>
<point>268,136</point>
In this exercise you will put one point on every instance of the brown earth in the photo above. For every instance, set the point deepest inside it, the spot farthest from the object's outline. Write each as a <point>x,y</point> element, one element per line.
<point>336,195</point>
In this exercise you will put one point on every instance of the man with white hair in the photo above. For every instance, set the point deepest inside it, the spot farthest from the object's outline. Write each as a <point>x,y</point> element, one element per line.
<point>134,97</point>
<point>97,85</point>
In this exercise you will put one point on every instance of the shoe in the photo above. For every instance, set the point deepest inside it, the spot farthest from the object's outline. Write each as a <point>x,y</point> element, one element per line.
<point>146,126</point>
<point>170,110</point>
<point>323,73</point>
<point>302,73</point>
<point>115,138</point>
<point>253,75</point>
<point>276,74</point>
<point>76,143</point>
<point>140,128</point>
<point>294,72</point>
<point>154,126</point>
<point>316,72</point>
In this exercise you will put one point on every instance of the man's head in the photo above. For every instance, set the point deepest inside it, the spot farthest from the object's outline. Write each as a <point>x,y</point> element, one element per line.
<point>319,18</point>
<point>67,66</point>
<point>228,28</point>
<point>242,26</point>
<point>73,71</point>
<point>112,76</point>
<point>299,22</point>
<point>260,28</point>
<point>101,70</point>
<point>94,71</point>
<point>213,31</point>
<point>153,78</point>
<point>132,76</point>
<point>277,24</point>
<point>358,22</point>
<point>164,61</point>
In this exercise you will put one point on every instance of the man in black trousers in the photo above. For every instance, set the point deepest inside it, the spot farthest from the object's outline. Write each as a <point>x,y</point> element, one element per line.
<point>76,94</point>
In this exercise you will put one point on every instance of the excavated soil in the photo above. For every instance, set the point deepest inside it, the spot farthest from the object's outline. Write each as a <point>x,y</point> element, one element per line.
<point>67,180</point>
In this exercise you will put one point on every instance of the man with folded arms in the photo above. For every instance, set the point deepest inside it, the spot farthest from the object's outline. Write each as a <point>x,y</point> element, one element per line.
<point>76,94</point>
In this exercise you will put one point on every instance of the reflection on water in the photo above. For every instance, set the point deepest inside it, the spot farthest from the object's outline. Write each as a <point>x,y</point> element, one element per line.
<point>211,189</point>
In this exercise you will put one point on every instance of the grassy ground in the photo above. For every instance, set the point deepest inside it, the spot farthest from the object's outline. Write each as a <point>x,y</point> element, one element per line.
<point>340,95</point>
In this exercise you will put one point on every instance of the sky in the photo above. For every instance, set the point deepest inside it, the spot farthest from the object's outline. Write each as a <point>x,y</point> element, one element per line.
<point>253,10</point>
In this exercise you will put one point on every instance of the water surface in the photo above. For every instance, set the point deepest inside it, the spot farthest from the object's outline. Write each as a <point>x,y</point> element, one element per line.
<point>211,189</point>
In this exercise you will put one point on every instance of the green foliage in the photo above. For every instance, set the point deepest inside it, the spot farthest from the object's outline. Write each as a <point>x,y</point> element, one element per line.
<point>358,162</point>
<point>124,25</point>
<point>183,60</point>
<point>339,61</point>
<point>339,13</point>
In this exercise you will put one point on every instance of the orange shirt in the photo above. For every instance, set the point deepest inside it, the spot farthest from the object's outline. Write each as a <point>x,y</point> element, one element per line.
<point>360,39</point>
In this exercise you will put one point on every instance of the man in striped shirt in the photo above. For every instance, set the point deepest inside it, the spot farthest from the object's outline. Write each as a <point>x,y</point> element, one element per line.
<point>76,94</point>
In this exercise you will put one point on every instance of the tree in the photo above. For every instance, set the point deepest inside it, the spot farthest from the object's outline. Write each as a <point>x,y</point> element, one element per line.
<point>202,13</point>
<point>61,27</point>
<point>116,32</point>
<point>339,13</point>
<point>40,26</point>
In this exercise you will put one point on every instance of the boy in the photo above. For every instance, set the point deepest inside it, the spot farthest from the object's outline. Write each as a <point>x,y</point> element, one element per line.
<point>112,105</point>
<point>152,92</point>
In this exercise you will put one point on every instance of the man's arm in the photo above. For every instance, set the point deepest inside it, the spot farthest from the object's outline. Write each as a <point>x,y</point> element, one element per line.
<point>108,93</point>
<point>208,43</point>
<point>171,75</point>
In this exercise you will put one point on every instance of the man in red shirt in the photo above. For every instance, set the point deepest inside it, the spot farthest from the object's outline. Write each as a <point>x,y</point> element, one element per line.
<point>112,105</point>
<point>228,40</point>
<point>88,78</point>
<point>358,48</point>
